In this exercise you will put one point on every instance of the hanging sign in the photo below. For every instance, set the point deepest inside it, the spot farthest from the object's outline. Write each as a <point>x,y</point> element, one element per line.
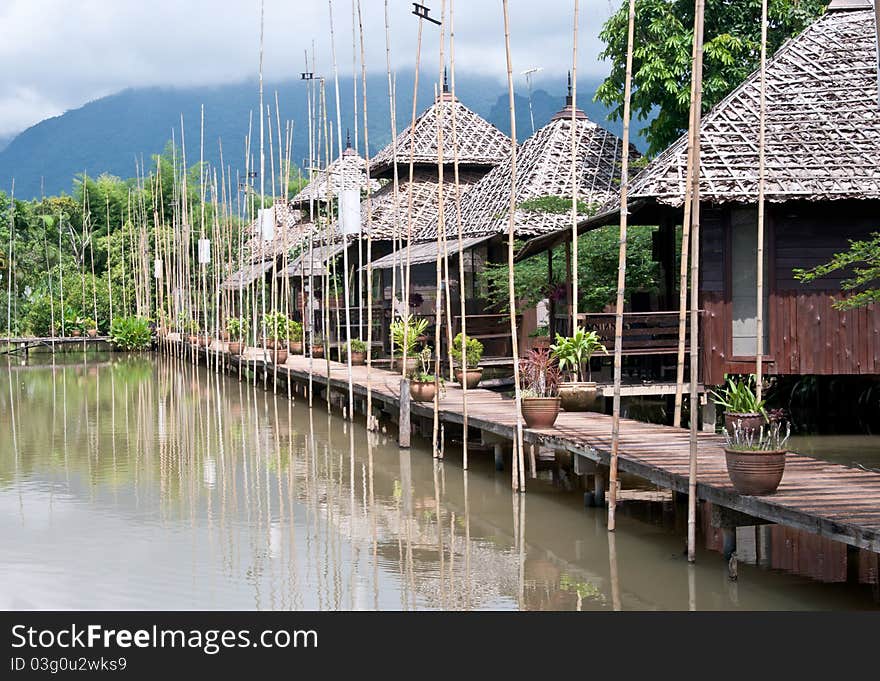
<point>350,211</point>
<point>204,251</point>
<point>266,220</point>
<point>157,268</point>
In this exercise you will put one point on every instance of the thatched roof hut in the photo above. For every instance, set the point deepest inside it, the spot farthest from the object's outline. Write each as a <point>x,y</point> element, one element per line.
<point>347,172</point>
<point>543,181</point>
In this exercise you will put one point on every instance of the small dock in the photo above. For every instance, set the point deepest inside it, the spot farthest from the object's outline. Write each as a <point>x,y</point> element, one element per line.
<point>24,344</point>
<point>827,499</point>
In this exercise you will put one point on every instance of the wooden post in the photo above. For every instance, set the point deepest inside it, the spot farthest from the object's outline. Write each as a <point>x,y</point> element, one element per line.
<point>695,283</point>
<point>621,272</point>
<point>403,421</point>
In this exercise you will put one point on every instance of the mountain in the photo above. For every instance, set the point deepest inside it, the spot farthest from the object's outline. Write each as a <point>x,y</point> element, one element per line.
<point>115,133</point>
<point>5,140</point>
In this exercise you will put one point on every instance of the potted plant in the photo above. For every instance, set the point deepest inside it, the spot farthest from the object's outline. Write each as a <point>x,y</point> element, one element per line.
<point>468,373</point>
<point>574,354</point>
<point>540,337</point>
<point>90,326</point>
<point>423,385</point>
<point>237,328</point>
<point>72,323</point>
<point>278,354</point>
<point>539,379</point>
<point>317,346</point>
<point>756,458</point>
<point>192,328</point>
<point>741,405</point>
<point>358,351</point>
<point>275,330</point>
<point>295,336</point>
<point>407,330</point>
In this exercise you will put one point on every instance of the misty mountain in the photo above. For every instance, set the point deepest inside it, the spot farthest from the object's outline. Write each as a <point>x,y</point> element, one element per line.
<point>115,133</point>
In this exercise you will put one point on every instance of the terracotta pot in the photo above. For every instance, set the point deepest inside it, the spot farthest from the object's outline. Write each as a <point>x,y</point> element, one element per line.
<point>412,364</point>
<point>755,473</point>
<point>296,347</point>
<point>93,333</point>
<point>422,392</point>
<point>358,358</point>
<point>224,336</point>
<point>279,355</point>
<point>540,412</point>
<point>579,395</point>
<point>236,348</point>
<point>193,340</point>
<point>472,377</point>
<point>749,422</point>
<point>317,351</point>
<point>539,342</point>
<point>76,333</point>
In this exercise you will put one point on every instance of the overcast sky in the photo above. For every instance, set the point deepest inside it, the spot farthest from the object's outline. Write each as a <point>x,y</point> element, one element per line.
<point>60,54</point>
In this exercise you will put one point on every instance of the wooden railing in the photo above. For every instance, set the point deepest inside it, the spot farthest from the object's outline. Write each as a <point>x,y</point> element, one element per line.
<point>493,330</point>
<point>644,333</point>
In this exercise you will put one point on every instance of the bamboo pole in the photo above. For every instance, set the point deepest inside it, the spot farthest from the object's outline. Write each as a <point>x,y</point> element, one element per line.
<point>438,295</point>
<point>395,186</point>
<point>621,272</point>
<point>345,275</point>
<point>262,193</point>
<point>762,156</point>
<point>9,265</point>
<point>574,182</point>
<point>458,227</point>
<point>511,291</point>
<point>695,287</point>
<point>685,249</point>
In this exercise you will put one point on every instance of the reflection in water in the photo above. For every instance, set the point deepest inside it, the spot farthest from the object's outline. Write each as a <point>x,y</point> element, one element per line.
<point>144,483</point>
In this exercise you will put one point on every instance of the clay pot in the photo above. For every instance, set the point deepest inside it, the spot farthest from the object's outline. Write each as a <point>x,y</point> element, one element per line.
<point>76,333</point>
<point>472,377</point>
<point>193,340</point>
<point>224,336</point>
<point>579,395</point>
<point>296,347</point>
<point>422,392</point>
<point>755,473</point>
<point>540,412</point>
<point>236,348</point>
<point>279,355</point>
<point>93,333</point>
<point>358,358</point>
<point>317,351</point>
<point>203,342</point>
<point>541,342</point>
<point>412,364</point>
<point>750,423</point>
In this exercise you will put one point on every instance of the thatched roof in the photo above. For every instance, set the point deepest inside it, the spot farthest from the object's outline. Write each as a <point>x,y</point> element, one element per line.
<point>390,220</point>
<point>822,124</point>
<point>479,142</point>
<point>290,230</point>
<point>425,252</point>
<point>348,172</point>
<point>312,263</point>
<point>543,180</point>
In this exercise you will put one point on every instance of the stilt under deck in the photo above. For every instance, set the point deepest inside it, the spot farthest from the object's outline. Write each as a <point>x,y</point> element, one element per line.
<point>823,498</point>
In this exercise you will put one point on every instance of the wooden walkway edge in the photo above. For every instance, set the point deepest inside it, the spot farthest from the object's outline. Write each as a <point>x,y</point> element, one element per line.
<point>832,500</point>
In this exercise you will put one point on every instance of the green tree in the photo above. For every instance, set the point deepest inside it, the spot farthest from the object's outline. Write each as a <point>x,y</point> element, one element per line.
<point>663,50</point>
<point>862,262</point>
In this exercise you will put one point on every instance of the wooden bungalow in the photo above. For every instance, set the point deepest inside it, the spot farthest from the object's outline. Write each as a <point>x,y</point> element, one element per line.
<point>822,188</point>
<point>544,188</point>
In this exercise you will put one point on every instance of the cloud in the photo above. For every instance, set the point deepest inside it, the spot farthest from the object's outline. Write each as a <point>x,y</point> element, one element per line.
<point>60,55</point>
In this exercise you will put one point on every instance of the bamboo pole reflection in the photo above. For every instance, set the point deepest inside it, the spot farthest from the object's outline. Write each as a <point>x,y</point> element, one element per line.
<point>612,567</point>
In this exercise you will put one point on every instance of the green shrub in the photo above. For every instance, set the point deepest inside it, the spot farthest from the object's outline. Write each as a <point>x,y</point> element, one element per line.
<point>237,328</point>
<point>357,345</point>
<point>295,331</point>
<point>131,333</point>
<point>473,352</point>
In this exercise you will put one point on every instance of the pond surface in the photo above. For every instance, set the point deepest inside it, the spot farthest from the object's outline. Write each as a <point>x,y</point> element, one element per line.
<point>148,483</point>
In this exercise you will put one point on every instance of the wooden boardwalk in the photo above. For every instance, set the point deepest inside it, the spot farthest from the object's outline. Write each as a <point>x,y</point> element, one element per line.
<point>25,343</point>
<point>827,499</point>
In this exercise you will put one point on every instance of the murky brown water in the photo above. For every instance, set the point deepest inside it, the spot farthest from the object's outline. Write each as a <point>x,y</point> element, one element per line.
<point>145,483</point>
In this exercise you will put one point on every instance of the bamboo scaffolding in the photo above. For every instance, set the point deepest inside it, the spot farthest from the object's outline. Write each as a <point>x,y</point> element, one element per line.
<point>621,273</point>
<point>695,285</point>
<point>519,484</point>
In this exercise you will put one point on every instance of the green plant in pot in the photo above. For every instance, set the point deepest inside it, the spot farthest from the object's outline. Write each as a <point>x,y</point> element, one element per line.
<point>275,330</point>
<point>72,323</point>
<point>317,346</point>
<point>406,331</point>
<point>539,380</point>
<point>574,354</point>
<point>237,328</point>
<point>741,404</point>
<point>295,336</point>
<point>423,383</point>
<point>756,457</point>
<point>358,351</point>
<point>468,372</point>
<point>90,326</point>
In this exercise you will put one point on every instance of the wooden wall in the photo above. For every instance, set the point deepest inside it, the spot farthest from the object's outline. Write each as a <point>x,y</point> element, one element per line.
<point>806,334</point>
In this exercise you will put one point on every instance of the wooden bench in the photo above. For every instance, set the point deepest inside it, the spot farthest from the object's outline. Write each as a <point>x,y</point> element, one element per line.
<point>644,333</point>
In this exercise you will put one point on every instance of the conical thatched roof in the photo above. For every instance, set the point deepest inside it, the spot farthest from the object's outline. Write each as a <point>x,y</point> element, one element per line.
<point>479,142</point>
<point>822,124</point>
<point>348,172</point>
<point>290,230</point>
<point>543,181</point>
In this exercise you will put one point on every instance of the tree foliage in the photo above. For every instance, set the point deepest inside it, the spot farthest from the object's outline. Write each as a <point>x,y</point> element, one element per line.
<point>663,50</point>
<point>862,261</point>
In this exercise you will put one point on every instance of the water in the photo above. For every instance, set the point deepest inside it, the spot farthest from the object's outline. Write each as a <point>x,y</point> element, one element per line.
<point>147,483</point>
